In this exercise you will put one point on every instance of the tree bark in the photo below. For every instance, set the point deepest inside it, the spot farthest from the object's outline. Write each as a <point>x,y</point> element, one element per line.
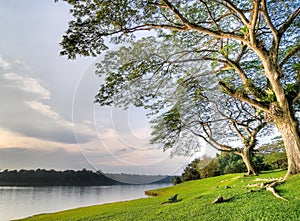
<point>288,128</point>
<point>245,154</point>
<point>281,112</point>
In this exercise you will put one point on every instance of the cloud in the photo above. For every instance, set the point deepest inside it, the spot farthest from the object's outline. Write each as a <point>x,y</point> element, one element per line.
<point>27,158</point>
<point>4,64</point>
<point>26,109</point>
<point>43,109</point>
<point>28,84</point>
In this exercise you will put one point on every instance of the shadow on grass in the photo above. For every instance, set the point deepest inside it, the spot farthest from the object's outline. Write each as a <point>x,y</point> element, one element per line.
<point>168,202</point>
<point>228,200</point>
<point>272,171</point>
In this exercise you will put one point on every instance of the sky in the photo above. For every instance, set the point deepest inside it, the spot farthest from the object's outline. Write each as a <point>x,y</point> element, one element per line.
<point>47,116</point>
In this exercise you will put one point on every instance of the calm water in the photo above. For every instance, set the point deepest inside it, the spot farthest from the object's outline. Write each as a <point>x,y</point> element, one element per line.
<point>19,202</point>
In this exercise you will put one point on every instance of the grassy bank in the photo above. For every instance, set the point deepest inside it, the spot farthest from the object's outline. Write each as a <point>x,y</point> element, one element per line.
<point>195,203</point>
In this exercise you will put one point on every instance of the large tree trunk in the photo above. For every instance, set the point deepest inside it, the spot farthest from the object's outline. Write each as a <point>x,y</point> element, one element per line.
<point>288,128</point>
<point>281,112</point>
<point>245,154</point>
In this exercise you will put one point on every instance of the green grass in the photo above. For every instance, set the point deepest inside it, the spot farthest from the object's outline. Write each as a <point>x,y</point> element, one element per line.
<point>195,203</point>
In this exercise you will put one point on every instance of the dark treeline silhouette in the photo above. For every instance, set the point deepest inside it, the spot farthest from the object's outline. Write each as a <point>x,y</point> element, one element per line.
<point>42,177</point>
<point>140,179</point>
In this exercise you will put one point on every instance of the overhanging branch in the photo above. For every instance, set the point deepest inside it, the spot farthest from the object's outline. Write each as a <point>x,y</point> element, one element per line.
<point>288,22</point>
<point>216,145</point>
<point>243,97</point>
<point>187,25</point>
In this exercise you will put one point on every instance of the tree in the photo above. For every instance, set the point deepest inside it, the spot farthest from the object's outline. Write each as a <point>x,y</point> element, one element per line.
<point>191,171</point>
<point>274,154</point>
<point>232,163</point>
<point>201,168</point>
<point>252,46</point>
<point>177,180</point>
<point>211,170</point>
<point>219,120</point>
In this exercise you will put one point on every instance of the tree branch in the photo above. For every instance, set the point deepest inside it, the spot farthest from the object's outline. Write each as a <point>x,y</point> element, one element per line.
<point>296,98</point>
<point>243,97</point>
<point>195,27</point>
<point>243,52</point>
<point>213,142</point>
<point>159,26</point>
<point>228,4</point>
<point>233,123</point>
<point>289,55</point>
<point>253,21</point>
<point>255,132</point>
<point>276,37</point>
<point>265,13</point>
<point>288,22</point>
<point>238,69</point>
<point>176,12</point>
<point>210,14</point>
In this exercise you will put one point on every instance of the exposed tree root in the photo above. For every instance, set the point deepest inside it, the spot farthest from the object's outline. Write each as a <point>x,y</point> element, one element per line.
<point>269,185</point>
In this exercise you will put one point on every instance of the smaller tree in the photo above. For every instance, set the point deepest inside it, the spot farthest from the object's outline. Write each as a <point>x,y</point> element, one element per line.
<point>274,154</point>
<point>211,170</point>
<point>231,163</point>
<point>177,180</point>
<point>213,117</point>
<point>191,171</point>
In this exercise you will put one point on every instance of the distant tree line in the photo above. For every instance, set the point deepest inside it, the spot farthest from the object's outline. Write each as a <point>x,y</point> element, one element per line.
<point>140,179</point>
<point>42,177</point>
<point>268,157</point>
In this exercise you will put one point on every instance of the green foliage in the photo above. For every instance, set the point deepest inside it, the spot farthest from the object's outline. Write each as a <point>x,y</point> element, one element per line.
<point>276,160</point>
<point>95,21</point>
<point>270,96</point>
<point>290,88</point>
<point>226,50</point>
<point>274,154</point>
<point>167,128</point>
<point>195,203</point>
<point>172,119</point>
<point>296,66</point>
<point>231,163</point>
<point>244,30</point>
<point>211,170</point>
<point>177,180</point>
<point>224,163</point>
<point>191,171</point>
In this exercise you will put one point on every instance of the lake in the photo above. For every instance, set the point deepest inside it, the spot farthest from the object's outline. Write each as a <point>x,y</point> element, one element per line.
<point>19,202</point>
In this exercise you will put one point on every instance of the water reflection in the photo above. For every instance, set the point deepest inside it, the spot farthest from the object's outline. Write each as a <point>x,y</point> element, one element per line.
<point>18,202</point>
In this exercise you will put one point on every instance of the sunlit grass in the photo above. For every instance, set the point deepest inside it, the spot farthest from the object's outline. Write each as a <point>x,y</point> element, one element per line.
<point>195,203</point>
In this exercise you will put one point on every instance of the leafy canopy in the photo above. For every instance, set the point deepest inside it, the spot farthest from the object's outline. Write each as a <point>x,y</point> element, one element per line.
<point>233,37</point>
<point>250,49</point>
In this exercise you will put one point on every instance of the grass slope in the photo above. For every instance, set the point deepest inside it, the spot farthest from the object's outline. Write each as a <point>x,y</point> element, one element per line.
<point>195,203</point>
